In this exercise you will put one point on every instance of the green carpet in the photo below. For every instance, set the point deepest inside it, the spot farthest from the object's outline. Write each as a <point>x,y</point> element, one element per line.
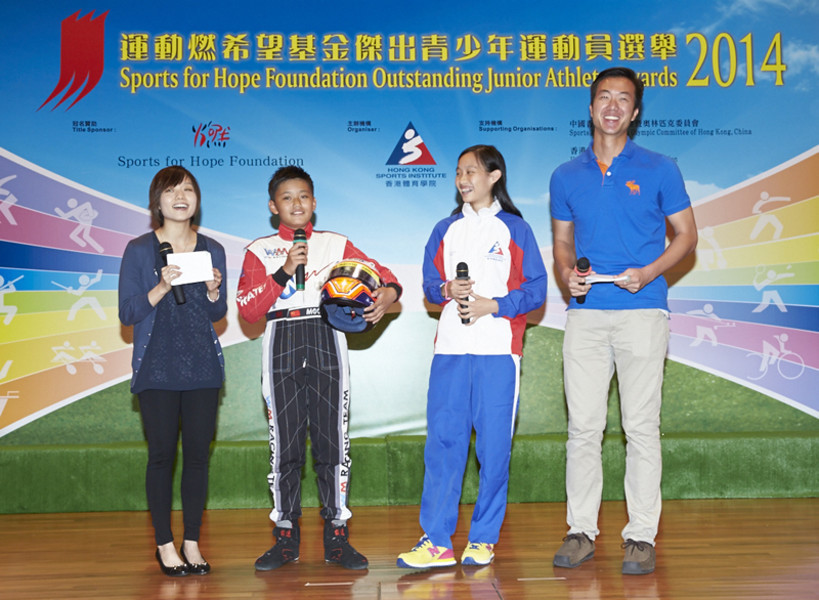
<point>389,471</point>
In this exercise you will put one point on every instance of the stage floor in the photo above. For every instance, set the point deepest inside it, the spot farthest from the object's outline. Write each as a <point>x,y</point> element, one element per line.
<point>759,548</point>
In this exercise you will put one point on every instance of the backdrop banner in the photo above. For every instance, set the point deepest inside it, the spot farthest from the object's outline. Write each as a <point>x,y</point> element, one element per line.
<point>376,102</point>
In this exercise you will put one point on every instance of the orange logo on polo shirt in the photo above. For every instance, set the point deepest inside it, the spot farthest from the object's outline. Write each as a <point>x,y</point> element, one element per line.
<point>633,187</point>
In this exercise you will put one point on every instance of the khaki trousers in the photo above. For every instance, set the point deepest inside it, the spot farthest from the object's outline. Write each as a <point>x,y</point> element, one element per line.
<point>634,342</point>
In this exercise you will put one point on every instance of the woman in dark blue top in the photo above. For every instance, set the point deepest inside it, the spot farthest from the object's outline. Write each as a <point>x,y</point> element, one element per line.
<point>178,367</point>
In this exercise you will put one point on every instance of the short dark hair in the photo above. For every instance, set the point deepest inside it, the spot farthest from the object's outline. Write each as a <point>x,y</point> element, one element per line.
<point>285,174</point>
<point>626,73</point>
<point>165,178</point>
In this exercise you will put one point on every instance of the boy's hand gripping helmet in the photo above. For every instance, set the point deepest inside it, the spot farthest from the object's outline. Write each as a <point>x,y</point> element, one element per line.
<point>347,292</point>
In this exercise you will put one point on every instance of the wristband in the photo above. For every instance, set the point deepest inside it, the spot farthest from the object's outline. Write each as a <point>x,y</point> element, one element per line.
<point>281,277</point>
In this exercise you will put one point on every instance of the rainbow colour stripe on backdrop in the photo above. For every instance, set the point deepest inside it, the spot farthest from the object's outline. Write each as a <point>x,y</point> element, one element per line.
<point>749,310</point>
<point>61,244</point>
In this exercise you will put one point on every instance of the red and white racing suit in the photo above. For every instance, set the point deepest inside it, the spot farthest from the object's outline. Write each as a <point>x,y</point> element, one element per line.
<point>305,368</point>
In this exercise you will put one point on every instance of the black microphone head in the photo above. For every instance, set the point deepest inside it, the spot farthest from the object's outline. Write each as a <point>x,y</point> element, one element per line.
<point>583,264</point>
<point>462,271</point>
<point>299,236</point>
<point>165,248</point>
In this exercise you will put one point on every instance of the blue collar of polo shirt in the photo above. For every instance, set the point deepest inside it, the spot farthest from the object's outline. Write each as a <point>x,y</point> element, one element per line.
<point>627,152</point>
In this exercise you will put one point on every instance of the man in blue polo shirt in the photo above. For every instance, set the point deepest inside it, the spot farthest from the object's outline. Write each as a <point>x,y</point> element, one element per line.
<point>610,205</point>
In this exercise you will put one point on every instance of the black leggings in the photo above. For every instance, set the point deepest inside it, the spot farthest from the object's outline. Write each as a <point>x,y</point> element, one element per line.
<point>162,411</point>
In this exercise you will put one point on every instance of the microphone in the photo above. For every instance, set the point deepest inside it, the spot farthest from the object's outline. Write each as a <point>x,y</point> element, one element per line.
<point>582,268</point>
<point>462,272</point>
<point>299,236</point>
<point>165,249</point>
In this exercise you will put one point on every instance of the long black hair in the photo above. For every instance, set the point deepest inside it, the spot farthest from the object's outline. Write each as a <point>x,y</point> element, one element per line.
<point>491,159</point>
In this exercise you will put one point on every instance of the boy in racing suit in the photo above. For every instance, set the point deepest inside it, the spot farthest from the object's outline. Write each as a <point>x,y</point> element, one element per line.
<point>305,369</point>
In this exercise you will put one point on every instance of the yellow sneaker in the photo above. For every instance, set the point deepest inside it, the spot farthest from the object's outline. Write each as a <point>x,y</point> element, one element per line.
<point>425,555</point>
<point>477,553</point>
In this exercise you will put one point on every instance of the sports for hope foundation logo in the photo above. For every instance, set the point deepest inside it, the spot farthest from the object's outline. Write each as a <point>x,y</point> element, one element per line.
<point>82,57</point>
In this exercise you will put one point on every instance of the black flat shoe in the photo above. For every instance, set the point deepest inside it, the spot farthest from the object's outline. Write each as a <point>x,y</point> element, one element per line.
<point>202,568</point>
<point>178,571</point>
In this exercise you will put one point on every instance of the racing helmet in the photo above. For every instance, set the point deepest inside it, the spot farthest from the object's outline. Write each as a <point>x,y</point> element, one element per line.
<point>347,292</point>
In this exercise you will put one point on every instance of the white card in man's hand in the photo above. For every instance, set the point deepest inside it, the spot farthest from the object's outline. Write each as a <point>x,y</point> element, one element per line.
<point>195,266</point>
<point>605,278</point>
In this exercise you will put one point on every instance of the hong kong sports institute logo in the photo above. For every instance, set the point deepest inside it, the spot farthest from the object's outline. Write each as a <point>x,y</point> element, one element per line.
<point>82,57</point>
<point>410,149</point>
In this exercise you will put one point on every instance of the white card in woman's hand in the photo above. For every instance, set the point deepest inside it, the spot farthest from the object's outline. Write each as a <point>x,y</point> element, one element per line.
<point>195,266</point>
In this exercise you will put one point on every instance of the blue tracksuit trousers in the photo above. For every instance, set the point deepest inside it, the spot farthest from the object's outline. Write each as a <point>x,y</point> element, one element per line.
<point>468,391</point>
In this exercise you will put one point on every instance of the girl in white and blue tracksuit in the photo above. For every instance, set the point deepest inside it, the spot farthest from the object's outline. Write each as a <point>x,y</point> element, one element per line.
<point>475,375</point>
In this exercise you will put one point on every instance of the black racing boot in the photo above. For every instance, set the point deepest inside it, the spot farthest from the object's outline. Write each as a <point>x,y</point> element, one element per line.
<point>284,551</point>
<point>337,548</point>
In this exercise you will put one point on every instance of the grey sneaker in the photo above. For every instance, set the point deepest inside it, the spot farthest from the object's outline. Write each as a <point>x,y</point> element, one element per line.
<point>577,548</point>
<point>639,559</point>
